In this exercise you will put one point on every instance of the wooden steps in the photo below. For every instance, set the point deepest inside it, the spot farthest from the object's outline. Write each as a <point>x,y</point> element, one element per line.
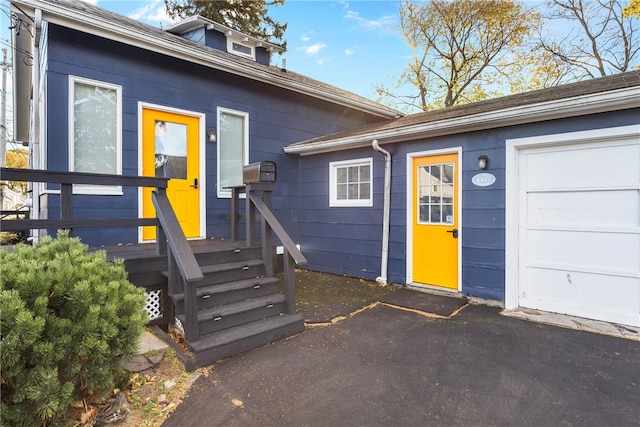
<point>238,307</point>
<point>224,293</point>
<point>230,342</point>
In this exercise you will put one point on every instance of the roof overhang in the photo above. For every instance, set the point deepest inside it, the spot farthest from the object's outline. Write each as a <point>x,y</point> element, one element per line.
<point>63,15</point>
<point>614,100</point>
<point>195,22</point>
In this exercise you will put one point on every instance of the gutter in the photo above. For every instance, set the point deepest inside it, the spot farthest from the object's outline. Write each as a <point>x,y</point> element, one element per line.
<point>382,280</point>
<point>600,102</point>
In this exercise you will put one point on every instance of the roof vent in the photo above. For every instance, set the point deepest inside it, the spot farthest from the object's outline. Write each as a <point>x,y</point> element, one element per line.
<point>284,65</point>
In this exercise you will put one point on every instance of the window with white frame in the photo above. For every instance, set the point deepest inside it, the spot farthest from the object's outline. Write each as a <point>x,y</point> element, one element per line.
<point>233,148</point>
<point>237,47</point>
<point>350,183</point>
<point>95,131</point>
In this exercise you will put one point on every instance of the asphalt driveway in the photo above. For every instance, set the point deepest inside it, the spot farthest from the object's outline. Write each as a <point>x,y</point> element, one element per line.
<point>389,366</point>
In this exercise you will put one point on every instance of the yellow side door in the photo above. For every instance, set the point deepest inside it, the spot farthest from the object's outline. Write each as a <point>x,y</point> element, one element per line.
<point>435,220</point>
<point>170,148</point>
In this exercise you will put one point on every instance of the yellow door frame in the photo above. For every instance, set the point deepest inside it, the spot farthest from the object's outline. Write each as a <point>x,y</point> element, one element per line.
<point>410,212</point>
<point>201,160</point>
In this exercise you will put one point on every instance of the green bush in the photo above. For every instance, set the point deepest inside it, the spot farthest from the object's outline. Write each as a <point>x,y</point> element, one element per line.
<point>68,318</point>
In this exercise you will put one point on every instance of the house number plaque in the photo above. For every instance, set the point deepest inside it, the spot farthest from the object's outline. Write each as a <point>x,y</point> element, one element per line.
<point>483,179</point>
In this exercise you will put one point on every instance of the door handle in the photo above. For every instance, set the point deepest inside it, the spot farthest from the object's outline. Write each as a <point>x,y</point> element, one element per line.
<point>195,183</point>
<point>454,232</point>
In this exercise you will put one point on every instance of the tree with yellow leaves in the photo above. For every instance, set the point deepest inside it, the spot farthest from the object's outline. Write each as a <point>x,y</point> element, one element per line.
<point>461,50</point>
<point>633,9</point>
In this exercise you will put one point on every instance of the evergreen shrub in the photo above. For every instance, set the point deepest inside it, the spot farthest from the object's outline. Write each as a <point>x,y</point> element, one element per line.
<point>68,318</point>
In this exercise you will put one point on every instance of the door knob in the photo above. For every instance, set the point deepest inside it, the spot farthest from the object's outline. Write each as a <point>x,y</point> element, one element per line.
<point>195,183</point>
<point>454,232</point>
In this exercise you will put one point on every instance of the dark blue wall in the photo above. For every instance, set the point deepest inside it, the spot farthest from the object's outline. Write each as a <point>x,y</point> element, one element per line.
<point>348,240</point>
<point>277,117</point>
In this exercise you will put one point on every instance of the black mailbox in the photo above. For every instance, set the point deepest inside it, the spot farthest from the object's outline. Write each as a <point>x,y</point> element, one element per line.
<point>259,172</point>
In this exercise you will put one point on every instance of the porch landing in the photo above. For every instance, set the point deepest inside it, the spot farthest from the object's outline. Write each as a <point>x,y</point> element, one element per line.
<point>131,251</point>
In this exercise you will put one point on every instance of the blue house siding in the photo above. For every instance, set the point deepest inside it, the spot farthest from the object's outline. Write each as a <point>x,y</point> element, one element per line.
<point>340,240</point>
<point>277,117</point>
<point>357,231</point>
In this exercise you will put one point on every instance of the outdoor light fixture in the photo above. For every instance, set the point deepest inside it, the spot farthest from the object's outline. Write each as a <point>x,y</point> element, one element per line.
<point>211,135</point>
<point>483,161</point>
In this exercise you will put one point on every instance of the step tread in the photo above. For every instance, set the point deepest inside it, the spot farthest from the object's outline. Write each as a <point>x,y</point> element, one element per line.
<point>240,306</point>
<point>247,330</point>
<point>221,288</point>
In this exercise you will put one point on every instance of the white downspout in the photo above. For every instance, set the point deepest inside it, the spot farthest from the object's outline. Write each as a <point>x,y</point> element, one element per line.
<point>36,130</point>
<point>382,280</point>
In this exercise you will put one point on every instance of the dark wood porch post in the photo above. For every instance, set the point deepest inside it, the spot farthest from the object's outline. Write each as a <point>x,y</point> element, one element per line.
<point>250,222</point>
<point>267,236</point>
<point>161,237</point>
<point>66,202</point>
<point>289,282</point>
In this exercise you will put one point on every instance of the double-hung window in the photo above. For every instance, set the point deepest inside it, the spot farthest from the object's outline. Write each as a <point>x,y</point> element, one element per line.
<point>95,131</point>
<point>350,183</point>
<point>233,149</point>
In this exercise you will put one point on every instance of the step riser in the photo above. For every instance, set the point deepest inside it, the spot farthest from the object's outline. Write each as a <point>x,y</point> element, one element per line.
<point>218,277</point>
<point>230,255</point>
<point>217,323</point>
<point>229,297</point>
<point>210,355</point>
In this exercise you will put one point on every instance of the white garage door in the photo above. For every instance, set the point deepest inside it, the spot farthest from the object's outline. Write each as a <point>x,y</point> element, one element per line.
<point>579,229</point>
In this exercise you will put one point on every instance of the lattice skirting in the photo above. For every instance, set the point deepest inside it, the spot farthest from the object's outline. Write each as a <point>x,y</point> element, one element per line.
<point>153,306</point>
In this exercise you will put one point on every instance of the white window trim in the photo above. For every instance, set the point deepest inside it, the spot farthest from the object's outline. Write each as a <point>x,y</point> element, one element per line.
<point>115,190</point>
<point>223,193</point>
<point>231,40</point>
<point>333,196</point>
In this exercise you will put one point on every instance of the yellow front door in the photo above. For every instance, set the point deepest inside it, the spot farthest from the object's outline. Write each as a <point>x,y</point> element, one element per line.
<point>170,148</point>
<point>435,220</point>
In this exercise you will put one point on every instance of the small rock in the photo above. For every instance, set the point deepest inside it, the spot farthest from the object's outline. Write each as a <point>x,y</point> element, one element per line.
<point>155,358</point>
<point>162,398</point>
<point>168,385</point>
<point>137,363</point>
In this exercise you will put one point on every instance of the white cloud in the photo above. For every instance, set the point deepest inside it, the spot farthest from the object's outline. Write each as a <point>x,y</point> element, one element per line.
<point>349,52</point>
<point>153,12</point>
<point>305,38</point>
<point>386,22</point>
<point>313,49</point>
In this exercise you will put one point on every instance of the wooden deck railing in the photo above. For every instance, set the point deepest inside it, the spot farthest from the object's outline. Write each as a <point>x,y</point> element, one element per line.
<point>269,225</point>
<point>66,181</point>
<point>182,264</point>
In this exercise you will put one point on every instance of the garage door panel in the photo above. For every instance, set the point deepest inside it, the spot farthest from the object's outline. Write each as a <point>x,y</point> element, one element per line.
<point>595,296</point>
<point>578,224</point>
<point>584,250</point>
<point>583,166</point>
<point>609,208</point>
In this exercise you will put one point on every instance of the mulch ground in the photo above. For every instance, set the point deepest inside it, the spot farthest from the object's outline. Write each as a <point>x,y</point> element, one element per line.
<point>322,297</point>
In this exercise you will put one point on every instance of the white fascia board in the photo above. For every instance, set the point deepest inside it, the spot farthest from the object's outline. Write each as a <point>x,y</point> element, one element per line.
<point>620,99</point>
<point>58,14</point>
<point>195,22</point>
